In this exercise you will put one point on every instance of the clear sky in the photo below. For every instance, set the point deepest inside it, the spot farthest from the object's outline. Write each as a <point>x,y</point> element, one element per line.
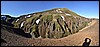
<point>89,9</point>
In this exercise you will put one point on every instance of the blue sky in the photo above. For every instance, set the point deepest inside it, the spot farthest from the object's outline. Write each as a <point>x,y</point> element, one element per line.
<point>89,9</point>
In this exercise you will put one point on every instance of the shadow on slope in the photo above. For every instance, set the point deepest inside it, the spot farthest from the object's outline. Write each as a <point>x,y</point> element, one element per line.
<point>18,32</point>
<point>9,27</point>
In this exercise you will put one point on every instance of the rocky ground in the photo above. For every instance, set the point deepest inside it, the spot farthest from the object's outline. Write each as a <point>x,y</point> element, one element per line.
<point>92,32</point>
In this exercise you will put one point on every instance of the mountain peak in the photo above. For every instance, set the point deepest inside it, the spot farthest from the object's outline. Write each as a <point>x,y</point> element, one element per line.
<point>54,23</point>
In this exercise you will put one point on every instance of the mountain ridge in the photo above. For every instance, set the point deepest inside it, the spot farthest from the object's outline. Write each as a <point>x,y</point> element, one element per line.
<point>54,23</point>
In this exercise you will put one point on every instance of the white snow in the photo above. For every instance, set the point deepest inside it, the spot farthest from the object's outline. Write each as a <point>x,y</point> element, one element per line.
<point>57,11</point>
<point>17,20</point>
<point>22,24</point>
<point>68,14</point>
<point>37,21</point>
<point>60,11</point>
<point>63,17</point>
<point>29,16</point>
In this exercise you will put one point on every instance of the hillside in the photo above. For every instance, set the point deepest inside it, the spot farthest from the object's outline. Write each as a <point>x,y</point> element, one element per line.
<point>54,23</point>
<point>12,39</point>
<point>55,27</point>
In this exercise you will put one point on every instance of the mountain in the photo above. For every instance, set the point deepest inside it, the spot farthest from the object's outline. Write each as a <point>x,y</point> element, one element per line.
<point>7,18</point>
<point>54,23</point>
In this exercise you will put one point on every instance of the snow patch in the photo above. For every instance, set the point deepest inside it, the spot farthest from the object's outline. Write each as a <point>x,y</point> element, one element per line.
<point>68,14</point>
<point>29,16</point>
<point>63,17</point>
<point>57,11</point>
<point>60,11</point>
<point>17,20</point>
<point>37,21</point>
<point>22,24</point>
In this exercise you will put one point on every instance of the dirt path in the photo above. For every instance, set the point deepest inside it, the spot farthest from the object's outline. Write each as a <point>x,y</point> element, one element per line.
<point>91,31</point>
<point>77,39</point>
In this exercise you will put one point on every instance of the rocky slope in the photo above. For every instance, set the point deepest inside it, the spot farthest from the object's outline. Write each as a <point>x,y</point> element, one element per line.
<point>54,23</point>
<point>8,38</point>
